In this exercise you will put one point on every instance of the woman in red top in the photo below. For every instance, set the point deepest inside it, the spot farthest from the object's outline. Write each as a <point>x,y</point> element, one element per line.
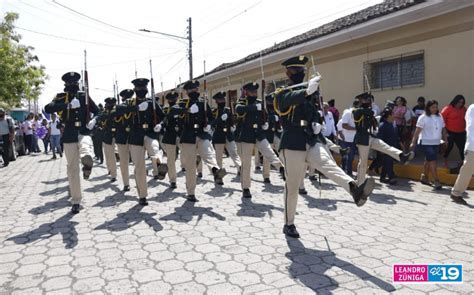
<point>453,115</point>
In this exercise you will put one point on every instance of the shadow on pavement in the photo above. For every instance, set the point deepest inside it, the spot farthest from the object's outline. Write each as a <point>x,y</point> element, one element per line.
<point>51,206</point>
<point>309,266</point>
<point>55,181</point>
<point>391,200</point>
<point>251,209</point>
<point>115,199</point>
<point>55,191</point>
<point>63,226</point>
<point>188,210</point>
<point>325,204</point>
<point>131,218</point>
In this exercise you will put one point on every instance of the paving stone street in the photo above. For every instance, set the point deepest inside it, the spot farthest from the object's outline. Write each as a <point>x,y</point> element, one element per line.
<point>221,244</point>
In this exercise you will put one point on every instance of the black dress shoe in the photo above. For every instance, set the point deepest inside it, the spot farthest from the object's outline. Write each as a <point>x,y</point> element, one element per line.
<point>183,169</point>
<point>155,177</point>
<point>344,151</point>
<point>357,193</point>
<point>199,175</point>
<point>75,208</point>
<point>191,198</point>
<point>126,188</point>
<point>290,231</point>
<point>87,163</point>
<point>406,157</point>
<point>173,185</point>
<point>302,191</point>
<point>458,200</point>
<point>266,180</point>
<point>162,170</point>
<point>246,193</point>
<point>142,201</point>
<point>258,168</point>
<point>282,173</point>
<point>113,179</point>
<point>313,178</point>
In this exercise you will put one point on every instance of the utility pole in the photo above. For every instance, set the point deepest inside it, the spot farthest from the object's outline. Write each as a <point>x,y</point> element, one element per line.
<point>188,38</point>
<point>190,50</point>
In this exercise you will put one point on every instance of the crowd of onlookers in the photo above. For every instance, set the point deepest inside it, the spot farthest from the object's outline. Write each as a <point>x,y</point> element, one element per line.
<point>425,128</point>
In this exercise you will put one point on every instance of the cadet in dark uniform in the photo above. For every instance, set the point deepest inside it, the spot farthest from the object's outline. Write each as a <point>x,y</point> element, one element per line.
<point>270,135</point>
<point>97,138</point>
<point>122,123</point>
<point>364,120</point>
<point>73,110</point>
<point>108,124</point>
<point>251,134</point>
<point>302,143</point>
<point>195,137</point>
<point>223,136</point>
<point>170,136</point>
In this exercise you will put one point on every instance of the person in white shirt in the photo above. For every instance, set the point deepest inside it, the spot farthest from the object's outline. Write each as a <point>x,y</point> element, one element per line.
<point>430,130</point>
<point>27,127</point>
<point>55,132</point>
<point>329,129</point>
<point>348,133</point>
<point>467,169</point>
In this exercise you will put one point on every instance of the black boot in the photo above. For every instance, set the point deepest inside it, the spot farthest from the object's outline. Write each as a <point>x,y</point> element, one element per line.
<point>290,231</point>
<point>162,170</point>
<point>126,188</point>
<point>75,208</point>
<point>246,193</point>
<point>142,201</point>
<point>266,180</point>
<point>406,157</point>
<point>87,163</point>
<point>173,185</point>
<point>191,198</point>
<point>302,191</point>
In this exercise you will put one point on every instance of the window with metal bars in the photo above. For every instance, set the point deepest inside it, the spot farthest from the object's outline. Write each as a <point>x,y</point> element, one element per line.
<point>406,70</point>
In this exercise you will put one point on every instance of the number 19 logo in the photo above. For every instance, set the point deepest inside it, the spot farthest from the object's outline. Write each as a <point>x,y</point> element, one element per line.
<point>445,273</point>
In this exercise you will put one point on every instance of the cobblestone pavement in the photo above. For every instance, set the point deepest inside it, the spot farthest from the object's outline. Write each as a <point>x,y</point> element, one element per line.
<point>222,244</point>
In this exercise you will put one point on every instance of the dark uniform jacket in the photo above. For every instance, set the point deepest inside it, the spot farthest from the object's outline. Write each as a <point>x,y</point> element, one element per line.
<point>170,125</point>
<point>363,119</point>
<point>222,132</point>
<point>272,125</point>
<point>106,121</point>
<point>133,125</point>
<point>74,120</point>
<point>297,113</point>
<point>193,124</point>
<point>249,121</point>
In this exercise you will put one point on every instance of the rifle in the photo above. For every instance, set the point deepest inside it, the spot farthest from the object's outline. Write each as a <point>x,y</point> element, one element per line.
<point>86,87</point>
<point>229,100</point>
<point>118,93</point>
<point>162,93</point>
<point>319,91</point>
<point>180,89</point>
<point>153,98</point>
<point>205,95</point>
<point>264,100</point>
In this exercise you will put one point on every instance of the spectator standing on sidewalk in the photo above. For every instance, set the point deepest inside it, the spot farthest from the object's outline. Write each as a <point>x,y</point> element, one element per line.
<point>55,135</point>
<point>467,169</point>
<point>388,133</point>
<point>430,129</point>
<point>27,127</point>
<point>6,134</point>
<point>348,131</point>
<point>454,118</point>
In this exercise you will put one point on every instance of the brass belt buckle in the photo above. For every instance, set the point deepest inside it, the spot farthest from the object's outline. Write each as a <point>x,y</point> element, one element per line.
<point>145,126</point>
<point>273,129</point>
<point>127,129</point>
<point>303,123</point>
<point>176,128</point>
<point>224,129</point>
<point>196,126</point>
<point>112,129</point>
<point>77,124</point>
<point>255,126</point>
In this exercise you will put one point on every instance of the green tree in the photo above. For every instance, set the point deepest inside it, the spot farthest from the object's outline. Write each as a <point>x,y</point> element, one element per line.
<point>21,75</point>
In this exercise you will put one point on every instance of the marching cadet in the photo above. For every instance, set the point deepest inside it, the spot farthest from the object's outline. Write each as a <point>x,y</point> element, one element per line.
<point>195,137</point>
<point>223,136</point>
<point>302,142</point>
<point>107,122</point>
<point>139,113</point>
<point>364,139</point>
<point>75,110</point>
<point>122,123</point>
<point>154,116</point>
<point>251,134</point>
<point>270,135</point>
<point>170,136</point>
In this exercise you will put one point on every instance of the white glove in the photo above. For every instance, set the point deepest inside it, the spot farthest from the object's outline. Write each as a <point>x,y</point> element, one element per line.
<point>75,103</point>
<point>207,129</point>
<point>277,118</point>
<point>259,107</point>
<point>157,128</point>
<point>143,106</point>
<point>91,124</point>
<point>265,126</point>
<point>193,109</point>
<point>232,128</point>
<point>224,117</point>
<point>316,127</point>
<point>313,84</point>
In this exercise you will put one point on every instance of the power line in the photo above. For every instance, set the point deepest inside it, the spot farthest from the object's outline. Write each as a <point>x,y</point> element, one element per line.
<point>229,19</point>
<point>77,40</point>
